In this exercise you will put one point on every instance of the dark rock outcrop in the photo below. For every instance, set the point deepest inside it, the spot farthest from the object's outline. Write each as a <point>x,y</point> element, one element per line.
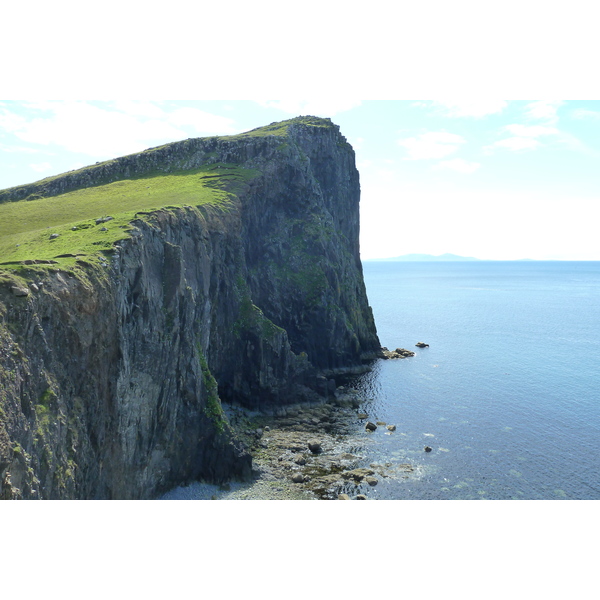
<point>112,376</point>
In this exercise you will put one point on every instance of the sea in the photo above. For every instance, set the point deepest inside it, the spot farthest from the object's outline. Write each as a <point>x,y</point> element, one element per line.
<point>506,395</point>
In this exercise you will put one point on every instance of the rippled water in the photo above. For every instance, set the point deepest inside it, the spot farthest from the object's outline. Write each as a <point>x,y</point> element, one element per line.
<point>508,393</point>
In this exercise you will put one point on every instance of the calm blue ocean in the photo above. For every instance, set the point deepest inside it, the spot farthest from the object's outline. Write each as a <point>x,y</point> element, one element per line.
<point>508,393</point>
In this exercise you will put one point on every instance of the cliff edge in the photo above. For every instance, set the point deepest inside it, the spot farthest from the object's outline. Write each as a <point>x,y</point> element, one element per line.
<point>139,293</point>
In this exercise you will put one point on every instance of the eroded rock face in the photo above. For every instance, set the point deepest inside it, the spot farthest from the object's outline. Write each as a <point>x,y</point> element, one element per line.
<point>112,376</point>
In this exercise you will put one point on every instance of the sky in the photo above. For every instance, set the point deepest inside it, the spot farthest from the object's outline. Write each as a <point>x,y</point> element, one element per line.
<point>491,179</point>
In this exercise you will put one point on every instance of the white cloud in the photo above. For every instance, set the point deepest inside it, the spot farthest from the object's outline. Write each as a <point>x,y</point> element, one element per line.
<point>317,108</point>
<point>530,131</point>
<point>139,108</point>
<point>514,143</point>
<point>459,165</point>
<point>584,113</point>
<point>523,136</point>
<point>201,121</point>
<point>434,144</point>
<point>469,108</point>
<point>122,128</point>
<point>11,122</point>
<point>41,167</point>
<point>543,110</point>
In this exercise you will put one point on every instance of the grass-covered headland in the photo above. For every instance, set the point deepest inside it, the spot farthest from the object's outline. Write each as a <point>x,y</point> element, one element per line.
<point>91,220</point>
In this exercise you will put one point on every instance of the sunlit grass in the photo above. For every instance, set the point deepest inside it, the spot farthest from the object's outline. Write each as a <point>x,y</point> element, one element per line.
<point>28,228</point>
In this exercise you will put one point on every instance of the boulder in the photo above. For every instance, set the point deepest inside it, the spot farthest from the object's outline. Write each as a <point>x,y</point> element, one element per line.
<point>343,497</point>
<point>315,446</point>
<point>391,428</point>
<point>298,478</point>
<point>370,426</point>
<point>428,448</point>
<point>422,345</point>
<point>361,497</point>
<point>19,291</point>
<point>372,480</point>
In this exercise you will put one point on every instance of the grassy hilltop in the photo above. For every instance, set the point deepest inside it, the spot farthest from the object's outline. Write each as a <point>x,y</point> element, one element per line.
<point>73,223</point>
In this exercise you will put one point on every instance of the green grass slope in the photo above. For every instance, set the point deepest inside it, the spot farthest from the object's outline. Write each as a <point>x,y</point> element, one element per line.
<point>47,228</point>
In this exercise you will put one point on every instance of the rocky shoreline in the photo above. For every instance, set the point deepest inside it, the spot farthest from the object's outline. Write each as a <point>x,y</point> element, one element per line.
<point>308,451</point>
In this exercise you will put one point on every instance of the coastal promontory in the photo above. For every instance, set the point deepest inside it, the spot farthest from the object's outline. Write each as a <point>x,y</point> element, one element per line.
<point>139,294</point>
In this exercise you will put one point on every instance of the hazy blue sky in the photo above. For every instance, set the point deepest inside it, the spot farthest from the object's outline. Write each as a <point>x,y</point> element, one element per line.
<point>491,179</point>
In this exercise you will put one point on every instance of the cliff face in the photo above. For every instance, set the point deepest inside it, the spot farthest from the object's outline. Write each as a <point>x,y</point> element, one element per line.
<point>112,372</point>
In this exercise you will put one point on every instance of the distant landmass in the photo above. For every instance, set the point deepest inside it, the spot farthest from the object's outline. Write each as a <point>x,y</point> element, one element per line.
<point>426,257</point>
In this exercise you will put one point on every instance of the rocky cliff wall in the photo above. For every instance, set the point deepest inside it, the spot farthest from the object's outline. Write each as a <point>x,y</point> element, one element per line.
<point>112,377</point>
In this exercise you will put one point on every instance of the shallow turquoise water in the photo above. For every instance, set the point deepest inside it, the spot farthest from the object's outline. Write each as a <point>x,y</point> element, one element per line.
<point>508,393</point>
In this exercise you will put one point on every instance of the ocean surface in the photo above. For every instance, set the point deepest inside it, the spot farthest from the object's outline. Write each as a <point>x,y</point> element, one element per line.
<point>507,394</point>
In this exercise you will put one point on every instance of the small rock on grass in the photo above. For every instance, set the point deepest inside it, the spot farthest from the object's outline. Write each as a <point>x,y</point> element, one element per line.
<point>19,291</point>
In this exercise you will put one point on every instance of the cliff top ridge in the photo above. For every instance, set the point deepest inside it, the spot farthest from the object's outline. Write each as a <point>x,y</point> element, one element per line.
<point>88,210</point>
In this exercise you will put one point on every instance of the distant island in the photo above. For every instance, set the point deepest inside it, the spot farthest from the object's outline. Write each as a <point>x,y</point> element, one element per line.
<point>425,257</point>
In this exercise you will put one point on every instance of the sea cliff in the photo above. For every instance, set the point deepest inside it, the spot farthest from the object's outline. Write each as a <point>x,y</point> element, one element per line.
<point>208,270</point>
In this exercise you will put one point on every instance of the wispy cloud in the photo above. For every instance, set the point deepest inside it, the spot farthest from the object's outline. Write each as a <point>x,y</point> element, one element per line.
<point>102,130</point>
<point>317,108</point>
<point>476,109</point>
<point>523,137</point>
<point>530,131</point>
<point>459,165</point>
<point>584,113</point>
<point>431,145</point>
<point>515,144</point>
<point>41,167</point>
<point>543,110</point>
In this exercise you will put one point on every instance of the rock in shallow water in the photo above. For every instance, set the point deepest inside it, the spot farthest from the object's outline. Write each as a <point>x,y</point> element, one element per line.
<point>315,446</point>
